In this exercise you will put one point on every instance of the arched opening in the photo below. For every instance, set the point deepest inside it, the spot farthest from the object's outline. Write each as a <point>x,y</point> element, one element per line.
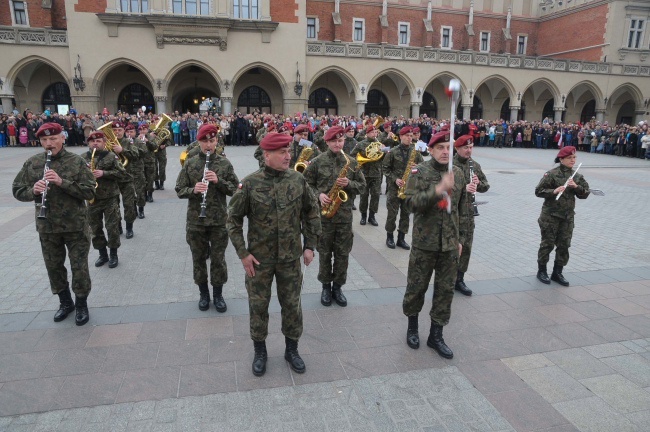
<point>588,111</point>
<point>133,97</point>
<point>505,111</point>
<point>475,113</point>
<point>436,87</point>
<point>341,85</point>
<point>624,101</point>
<point>549,111</point>
<point>322,101</point>
<point>377,103</point>
<point>626,113</point>
<point>538,99</point>
<point>194,89</point>
<point>581,95</point>
<point>429,105</point>
<point>254,99</point>
<point>56,98</point>
<point>495,90</point>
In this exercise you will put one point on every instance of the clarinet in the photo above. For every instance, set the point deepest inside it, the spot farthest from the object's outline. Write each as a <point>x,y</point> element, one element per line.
<point>204,202</point>
<point>43,212</point>
<point>471,179</point>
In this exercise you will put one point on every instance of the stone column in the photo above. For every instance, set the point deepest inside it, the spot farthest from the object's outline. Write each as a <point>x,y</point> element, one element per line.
<point>514,110</point>
<point>415,109</point>
<point>226,105</point>
<point>467,111</point>
<point>558,114</point>
<point>7,106</point>
<point>84,103</point>
<point>361,107</point>
<point>600,115</point>
<point>161,103</point>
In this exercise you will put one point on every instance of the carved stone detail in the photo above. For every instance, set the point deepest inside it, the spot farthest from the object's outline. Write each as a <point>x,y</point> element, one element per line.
<point>160,98</point>
<point>161,40</point>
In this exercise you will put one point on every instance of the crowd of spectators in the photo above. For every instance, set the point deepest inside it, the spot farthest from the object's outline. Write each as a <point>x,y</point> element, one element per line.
<point>239,129</point>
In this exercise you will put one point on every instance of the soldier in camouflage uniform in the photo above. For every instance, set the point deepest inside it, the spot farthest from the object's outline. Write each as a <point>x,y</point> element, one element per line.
<point>318,136</point>
<point>127,188</point>
<point>209,232</point>
<point>69,184</point>
<point>161,162</point>
<point>194,148</point>
<point>372,173</point>
<point>149,160</point>
<point>556,219</point>
<point>301,132</point>
<point>394,166</point>
<point>348,145</point>
<point>136,168</point>
<point>336,240</point>
<point>108,171</point>
<point>280,207</point>
<point>259,153</point>
<point>478,183</point>
<point>437,241</point>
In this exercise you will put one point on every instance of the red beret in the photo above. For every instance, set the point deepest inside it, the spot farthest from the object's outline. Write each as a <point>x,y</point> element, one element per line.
<point>370,128</point>
<point>270,127</point>
<point>143,126</point>
<point>118,125</point>
<point>463,140</point>
<point>335,122</point>
<point>566,151</point>
<point>349,128</point>
<point>444,127</point>
<point>442,136</point>
<point>48,129</point>
<point>206,132</point>
<point>284,128</point>
<point>405,130</point>
<point>95,135</point>
<point>388,121</point>
<point>334,133</point>
<point>129,127</point>
<point>416,130</point>
<point>300,129</point>
<point>275,141</point>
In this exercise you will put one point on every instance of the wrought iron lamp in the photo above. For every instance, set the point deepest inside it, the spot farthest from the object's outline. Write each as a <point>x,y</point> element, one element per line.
<point>78,81</point>
<point>298,87</point>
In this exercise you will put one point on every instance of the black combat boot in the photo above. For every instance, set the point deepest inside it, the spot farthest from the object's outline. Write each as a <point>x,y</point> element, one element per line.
<point>217,297</point>
<point>156,185</point>
<point>390,240</point>
<point>363,219</point>
<point>542,275</point>
<point>371,220</point>
<point>140,212</point>
<point>103,258</point>
<point>112,262</point>
<point>150,197</point>
<point>338,296</point>
<point>556,276</point>
<point>121,230</point>
<point>66,305</point>
<point>412,336</point>
<point>436,342</point>
<point>259,359</point>
<point>401,242</point>
<point>129,230</point>
<point>204,300</point>
<point>354,207</point>
<point>291,355</point>
<point>326,295</point>
<point>460,284</point>
<point>82,316</point>
<point>162,185</point>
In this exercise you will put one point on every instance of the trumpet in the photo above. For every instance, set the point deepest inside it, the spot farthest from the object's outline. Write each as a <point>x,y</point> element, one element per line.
<point>204,202</point>
<point>42,214</point>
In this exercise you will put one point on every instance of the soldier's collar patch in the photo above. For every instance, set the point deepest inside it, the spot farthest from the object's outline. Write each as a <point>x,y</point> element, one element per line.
<point>414,171</point>
<point>546,173</point>
<point>240,186</point>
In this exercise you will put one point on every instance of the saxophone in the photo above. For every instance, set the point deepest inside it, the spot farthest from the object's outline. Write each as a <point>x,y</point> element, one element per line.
<point>407,173</point>
<point>337,195</point>
<point>301,163</point>
<point>92,169</point>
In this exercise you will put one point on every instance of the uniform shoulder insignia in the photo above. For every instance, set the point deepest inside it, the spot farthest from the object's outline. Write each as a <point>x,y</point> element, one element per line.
<point>240,186</point>
<point>415,171</point>
<point>546,174</point>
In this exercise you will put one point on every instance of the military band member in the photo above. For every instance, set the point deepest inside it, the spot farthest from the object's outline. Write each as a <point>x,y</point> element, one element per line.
<point>557,217</point>
<point>281,209</point>
<point>138,169</point>
<point>149,160</point>
<point>394,166</point>
<point>335,242</point>
<point>69,184</point>
<point>194,148</point>
<point>348,145</point>
<point>320,133</point>
<point>105,209</point>
<point>477,183</point>
<point>161,162</point>
<point>259,153</point>
<point>301,132</point>
<point>127,187</point>
<point>372,173</point>
<point>437,241</point>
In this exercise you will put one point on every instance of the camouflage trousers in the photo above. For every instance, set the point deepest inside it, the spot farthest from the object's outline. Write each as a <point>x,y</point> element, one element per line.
<point>150,175</point>
<point>394,205</point>
<point>54,251</point>
<point>161,165</point>
<point>127,190</point>
<point>556,233</point>
<point>373,188</point>
<point>288,278</point>
<point>463,262</point>
<point>422,263</point>
<point>105,211</point>
<point>199,238</point>
<point>335,242</point>
<point>140,185</point>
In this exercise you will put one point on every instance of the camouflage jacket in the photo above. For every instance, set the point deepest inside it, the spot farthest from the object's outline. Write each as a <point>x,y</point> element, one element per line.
<point>280,207</point>
<point>260,134</point>
<point>148,157</point>
<point>259,155</point>
<point>433,228</point>
<point>394,164</point>
<point>349,145</point>
<point>133,153</point>
<point>108,162</point>
<point>563,208</point>
<point>482,187</point>
<point>191,174</point>
<point>296,149</point>
<point>369,169</point>
<point>321,175</point>
<point>66,204</point>
<point>193,149</point>
<point>319,140</point>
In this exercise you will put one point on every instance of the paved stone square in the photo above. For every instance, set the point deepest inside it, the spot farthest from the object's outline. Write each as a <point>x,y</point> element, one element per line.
<point>528,357</point>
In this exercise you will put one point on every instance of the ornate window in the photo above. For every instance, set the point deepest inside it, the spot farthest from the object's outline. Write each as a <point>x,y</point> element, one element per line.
<point>522,42</point>
<point>446,34</point>
<point>19,13</point>
<point>246,9</point>
<point>322,101</point>
<point>189,7</point>
<point>312,27</point>
<point>485,42</point>
<point>254,98</point>
<point>358,30</point>
<point>635,34</point>
<point>404,33</point>
<point>134,6</point>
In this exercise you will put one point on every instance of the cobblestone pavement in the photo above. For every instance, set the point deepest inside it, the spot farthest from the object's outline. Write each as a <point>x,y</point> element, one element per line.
<point>528,357</point>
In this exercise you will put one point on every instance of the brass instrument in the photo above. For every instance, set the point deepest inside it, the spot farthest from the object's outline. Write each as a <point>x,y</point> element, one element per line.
<point>407,173</point>
<point>471,180</point>
<point>111,141</point>
<point>42,214</point>
<point>161,131</point>
<point>373,154</point>
<point>183,157</point>
<point>302,162</point>
<point>204,201</point>
<point>378,121</point>
<point>92,169</point>
<point>337,195</point>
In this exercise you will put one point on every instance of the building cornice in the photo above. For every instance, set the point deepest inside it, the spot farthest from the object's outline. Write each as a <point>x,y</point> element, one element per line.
<point>576,9</point>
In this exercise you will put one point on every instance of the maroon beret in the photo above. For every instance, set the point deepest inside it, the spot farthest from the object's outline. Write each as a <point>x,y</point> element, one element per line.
<point>270,127</point>
<point>334,133</point>
<point>566,151</point>
<point>96,135</point>
<point>284,128</point>
<point>416,130</point>
<point>300,129</point>
<point>129,127</point>
<point>206,132</point>
<point>463,140</point>
<point>442,136</point>
<point>143,126</point>
<point>405,130</point>
<point>370,128</point>
<point>275,141</point>
<point>118,125</point>
<point>48,129</point>
<point>349,128</point>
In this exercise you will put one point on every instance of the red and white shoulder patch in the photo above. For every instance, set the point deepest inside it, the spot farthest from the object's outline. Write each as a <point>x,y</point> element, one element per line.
<point>415,171</point>
<point>546,174</point>
<point>240,186</point>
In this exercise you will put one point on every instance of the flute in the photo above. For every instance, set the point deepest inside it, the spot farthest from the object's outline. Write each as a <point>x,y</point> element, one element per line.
<point>567,182</point>
<point>204,202</point>
<point>43,212</point>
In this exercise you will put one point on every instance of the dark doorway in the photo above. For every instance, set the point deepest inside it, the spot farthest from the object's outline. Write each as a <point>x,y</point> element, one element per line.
<point>57,96</point>
<point>322,101</point>
<point>252,99</point>
<point>377,103</point>
<point>588,111</point>
<point>429,105</point>
<point>192,99</point>
<point>475,113</point>
<point>133,97</point>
